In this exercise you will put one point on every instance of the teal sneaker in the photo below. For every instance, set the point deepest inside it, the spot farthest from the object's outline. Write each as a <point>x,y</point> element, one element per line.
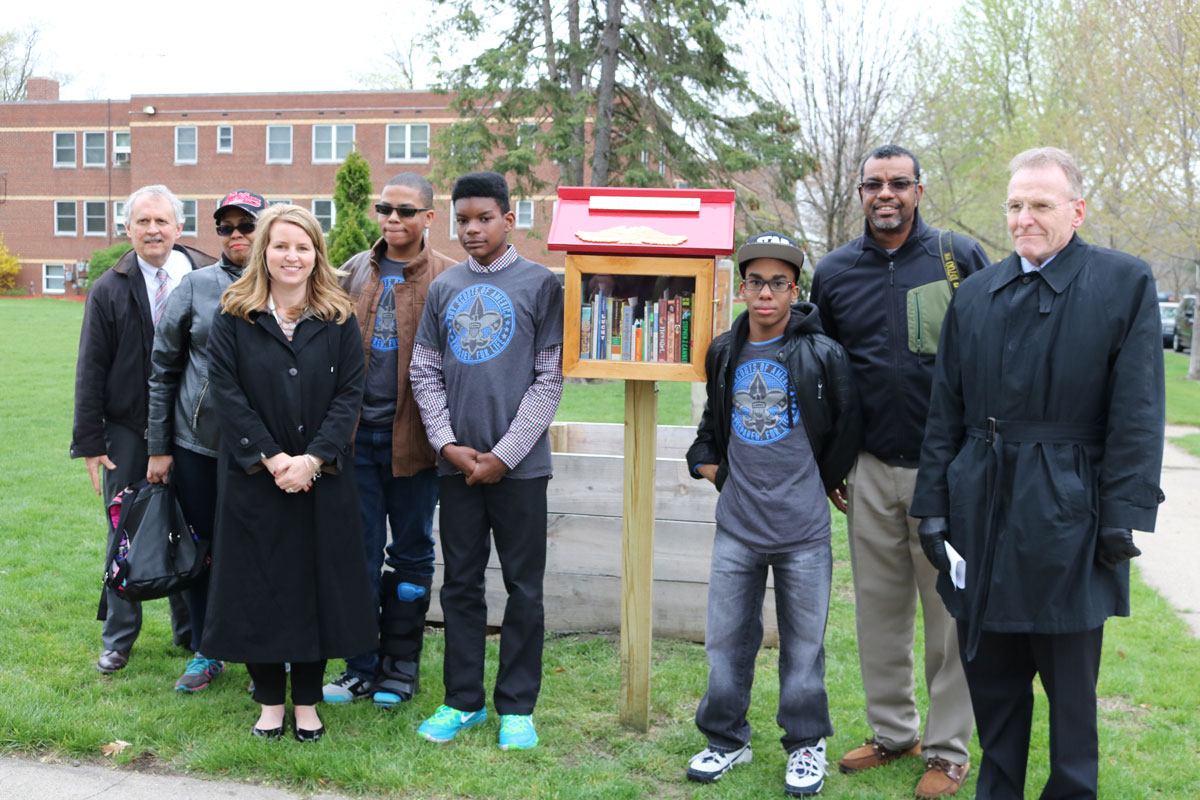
<point>446,722</point>
<point>517,732</point>
<point>199,673</point>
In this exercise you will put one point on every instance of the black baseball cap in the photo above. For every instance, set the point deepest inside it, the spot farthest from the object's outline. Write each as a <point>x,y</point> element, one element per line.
<point>253,204</point>
<point>770,244</point>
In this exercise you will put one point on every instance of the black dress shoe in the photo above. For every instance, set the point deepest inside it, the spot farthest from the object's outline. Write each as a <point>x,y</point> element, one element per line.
<point>270,733</point>
<point>309,736</point>
<point>112,660</point>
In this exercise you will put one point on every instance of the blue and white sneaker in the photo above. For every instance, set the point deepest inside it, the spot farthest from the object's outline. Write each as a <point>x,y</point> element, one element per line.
<point>805,771</point>
<point>517,732</point>
<point>199,673</point>
<point>446,722</point>
<point>346,689</point>
<point>709,765</point>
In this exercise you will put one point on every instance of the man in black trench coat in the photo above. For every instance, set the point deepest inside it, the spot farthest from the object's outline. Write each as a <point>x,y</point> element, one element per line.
<point>1042,452</point>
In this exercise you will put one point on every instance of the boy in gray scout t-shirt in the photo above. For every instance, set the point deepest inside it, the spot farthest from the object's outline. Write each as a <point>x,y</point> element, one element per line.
<point>779,430</point>
<point>487,374</point>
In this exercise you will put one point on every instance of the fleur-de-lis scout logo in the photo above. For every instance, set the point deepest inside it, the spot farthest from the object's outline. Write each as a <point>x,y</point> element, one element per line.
<point>384,337</point>
<point>479,323</point>
<point>761,394</point>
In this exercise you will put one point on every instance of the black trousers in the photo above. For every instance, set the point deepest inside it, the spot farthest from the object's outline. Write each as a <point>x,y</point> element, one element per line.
<point>270,682</point>
<point>195,476</point>
<point>514,512</point>
<point>1000,679</point>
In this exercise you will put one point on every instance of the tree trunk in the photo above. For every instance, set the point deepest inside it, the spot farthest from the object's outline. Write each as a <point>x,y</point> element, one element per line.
<point>574,175</point>
<point>609,44</point>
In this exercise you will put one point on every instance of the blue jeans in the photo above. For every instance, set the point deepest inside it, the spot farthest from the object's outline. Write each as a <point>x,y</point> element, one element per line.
<point>406,503</point>
<point>733,635</point>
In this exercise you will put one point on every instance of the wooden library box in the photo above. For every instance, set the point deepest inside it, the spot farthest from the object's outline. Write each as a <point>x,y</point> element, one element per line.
<point>639,279</point>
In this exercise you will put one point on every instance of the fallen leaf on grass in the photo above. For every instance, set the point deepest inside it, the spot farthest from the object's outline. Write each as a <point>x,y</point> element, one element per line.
<point>115,746</point>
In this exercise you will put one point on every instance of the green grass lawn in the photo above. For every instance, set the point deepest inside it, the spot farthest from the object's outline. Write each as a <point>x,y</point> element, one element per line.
<point>1183,396</point>
<point>56,705</point>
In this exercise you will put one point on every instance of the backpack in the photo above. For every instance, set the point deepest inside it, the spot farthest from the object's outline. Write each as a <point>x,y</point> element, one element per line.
<point>155,552</point>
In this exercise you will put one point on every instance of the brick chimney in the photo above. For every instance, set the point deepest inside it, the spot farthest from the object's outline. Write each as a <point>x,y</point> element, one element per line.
<point>41,89</point>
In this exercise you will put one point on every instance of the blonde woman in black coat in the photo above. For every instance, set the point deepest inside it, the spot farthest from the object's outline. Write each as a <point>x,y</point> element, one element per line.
<point>286,366</point>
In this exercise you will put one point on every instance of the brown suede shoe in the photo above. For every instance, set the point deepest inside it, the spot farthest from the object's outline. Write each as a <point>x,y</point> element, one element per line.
<point>112,660</point>
<point>873,754</point>
<point>942,778</point>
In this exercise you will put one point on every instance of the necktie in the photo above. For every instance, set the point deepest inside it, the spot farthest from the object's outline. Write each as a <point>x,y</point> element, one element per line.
<point>160,295</point>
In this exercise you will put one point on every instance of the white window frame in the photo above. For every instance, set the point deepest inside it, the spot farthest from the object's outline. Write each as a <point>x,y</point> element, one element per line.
<point>287,160</point>
<point>279,201</point>
<point>453,224</point>
<point>120,149</point>
<point>46,278</point>
<point>222,130</point>
<point>186,231</point>
<point>55,148</point>
<point>525,133</point>
<point>524,204</point>
<point>407,158</point>
<point>335,129</point>
<point>195,144</point>
<point>118,217</point>
<point>92,206</point>
<point>103,143</point>
<point>74,217</point>
<point>332,211</point>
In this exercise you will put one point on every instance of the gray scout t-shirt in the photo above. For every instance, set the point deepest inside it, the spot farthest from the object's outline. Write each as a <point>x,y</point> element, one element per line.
<point>488,328</point>
<point>773,500</point>
<point>379,394</point>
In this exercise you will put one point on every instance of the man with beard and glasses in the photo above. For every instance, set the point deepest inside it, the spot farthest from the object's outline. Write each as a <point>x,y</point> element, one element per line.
<point>882,297</point>
<point>184,432</point>
<point>124,306</point>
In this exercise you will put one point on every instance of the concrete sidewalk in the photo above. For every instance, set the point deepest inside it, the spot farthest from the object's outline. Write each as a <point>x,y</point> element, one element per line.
<point>1170,560</point>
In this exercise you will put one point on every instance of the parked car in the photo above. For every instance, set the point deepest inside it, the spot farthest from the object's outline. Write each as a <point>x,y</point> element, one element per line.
<point>1185,318</point>
<point>1166,311</point>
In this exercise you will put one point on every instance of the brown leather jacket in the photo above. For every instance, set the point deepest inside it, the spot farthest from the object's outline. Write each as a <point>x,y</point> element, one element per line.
<point>411,451</point>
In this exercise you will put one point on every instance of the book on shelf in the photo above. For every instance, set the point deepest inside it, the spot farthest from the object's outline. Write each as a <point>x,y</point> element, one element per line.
<point>685,328</point>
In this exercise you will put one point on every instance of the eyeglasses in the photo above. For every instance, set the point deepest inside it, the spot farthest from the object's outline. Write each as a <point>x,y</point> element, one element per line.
<point>898,186</point>
<point>778,286</point>
<point>405,212</point>
<point>1013,208</point>
<point>244,228</point>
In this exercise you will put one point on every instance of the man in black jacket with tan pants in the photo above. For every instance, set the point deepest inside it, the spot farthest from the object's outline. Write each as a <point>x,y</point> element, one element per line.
<point>112,380</point>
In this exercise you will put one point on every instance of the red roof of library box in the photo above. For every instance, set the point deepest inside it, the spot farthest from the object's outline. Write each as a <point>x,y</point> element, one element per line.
<point>643,222</point>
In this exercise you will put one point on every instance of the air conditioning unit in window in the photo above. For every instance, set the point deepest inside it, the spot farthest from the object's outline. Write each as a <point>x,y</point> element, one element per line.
<point>120,159</point>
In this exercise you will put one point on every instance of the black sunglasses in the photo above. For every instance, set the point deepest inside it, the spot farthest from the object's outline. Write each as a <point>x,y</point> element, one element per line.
<point>899,186</point>
<point>244,228</point>
<point>405,212</point>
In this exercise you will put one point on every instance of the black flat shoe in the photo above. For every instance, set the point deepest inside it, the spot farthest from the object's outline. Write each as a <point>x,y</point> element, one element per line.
<point>309,736</point>
<point>270,733</point>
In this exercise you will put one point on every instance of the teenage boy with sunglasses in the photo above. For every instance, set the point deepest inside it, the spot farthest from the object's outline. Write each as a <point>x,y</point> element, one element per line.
<point>182,434</point>
<point>395,469</point>
<point>780,428</point>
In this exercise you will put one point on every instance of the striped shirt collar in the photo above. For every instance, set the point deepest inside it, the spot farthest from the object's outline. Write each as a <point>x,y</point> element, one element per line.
<point>510,255</point>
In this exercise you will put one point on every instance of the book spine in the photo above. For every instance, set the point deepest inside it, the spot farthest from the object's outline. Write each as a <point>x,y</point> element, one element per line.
<point>626,332</point>
<point>685,329</point>
<point>661,330</point>
<point>602,344</point>
<point>614,328</point>
<point>585,331</point>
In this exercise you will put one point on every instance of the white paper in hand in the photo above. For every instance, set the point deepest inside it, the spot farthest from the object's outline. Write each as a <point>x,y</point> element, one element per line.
<point>958,567</point>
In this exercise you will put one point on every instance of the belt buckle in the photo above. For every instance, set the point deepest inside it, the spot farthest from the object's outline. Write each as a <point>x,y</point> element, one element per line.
<point>991,430</point>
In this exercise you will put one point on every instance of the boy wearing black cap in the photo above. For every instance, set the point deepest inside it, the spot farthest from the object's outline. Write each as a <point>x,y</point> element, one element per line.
<point>182,434</point>
<point>780,428</point>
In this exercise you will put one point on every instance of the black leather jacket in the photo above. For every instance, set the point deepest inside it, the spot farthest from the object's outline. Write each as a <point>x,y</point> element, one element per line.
<point>181,407</point>
<point>821,379</point>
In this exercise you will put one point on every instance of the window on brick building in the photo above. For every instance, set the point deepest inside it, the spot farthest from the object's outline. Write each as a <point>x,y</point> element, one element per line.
<point>65,222</point>
<point>325,213</point>
<point>93,148</point>
<point>279,144</point>
<point>95,222</point>
<point>524,213</point>
<point>224,138</point>
<point>408,144</point>
<point>120,148</point>
<point>119,218</point>
<point>332,143</point>
<point>64,149</point>
<point>185,145</point>
<point>525,132</point>
<point>279,201</point>
<point>54,278</point>
<point>189,218</point>
<point>453,224</point>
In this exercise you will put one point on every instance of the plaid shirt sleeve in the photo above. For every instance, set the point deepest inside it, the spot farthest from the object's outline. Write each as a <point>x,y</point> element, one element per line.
<point>429,390</point>
<point>537,408</point>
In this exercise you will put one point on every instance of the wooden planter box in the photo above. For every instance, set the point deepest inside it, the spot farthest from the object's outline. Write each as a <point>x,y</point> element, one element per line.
<point>583,554</point>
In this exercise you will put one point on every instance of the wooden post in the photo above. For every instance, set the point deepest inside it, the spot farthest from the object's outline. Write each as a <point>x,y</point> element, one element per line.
<point>637,551</point>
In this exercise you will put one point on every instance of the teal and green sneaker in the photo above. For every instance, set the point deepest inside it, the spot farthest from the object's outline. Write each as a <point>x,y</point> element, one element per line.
<point>446,722</point>
<point>517,732</point>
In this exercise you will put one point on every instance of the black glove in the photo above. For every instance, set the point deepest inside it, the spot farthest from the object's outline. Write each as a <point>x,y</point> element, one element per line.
<point>1115,545</point>
<point>933,532</point>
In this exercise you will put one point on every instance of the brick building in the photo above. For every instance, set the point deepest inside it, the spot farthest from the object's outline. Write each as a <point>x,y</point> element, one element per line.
<point>66,167</point>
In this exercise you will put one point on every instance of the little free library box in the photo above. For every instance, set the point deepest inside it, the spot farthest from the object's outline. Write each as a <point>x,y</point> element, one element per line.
<point>639,278</point>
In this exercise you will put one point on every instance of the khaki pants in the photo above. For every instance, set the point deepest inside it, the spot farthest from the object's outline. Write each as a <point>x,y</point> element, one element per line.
<point>890,571</point>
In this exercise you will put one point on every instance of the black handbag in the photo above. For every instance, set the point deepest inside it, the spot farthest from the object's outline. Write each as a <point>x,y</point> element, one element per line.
<point>155,552</point>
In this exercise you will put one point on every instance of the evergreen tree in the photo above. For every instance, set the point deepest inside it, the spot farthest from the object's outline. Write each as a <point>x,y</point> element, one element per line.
<point>354,231</point>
